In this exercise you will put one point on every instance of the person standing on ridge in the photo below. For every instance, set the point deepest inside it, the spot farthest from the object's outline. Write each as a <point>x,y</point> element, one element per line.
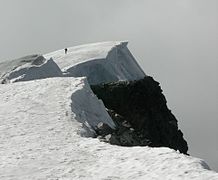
<point>65,50</point>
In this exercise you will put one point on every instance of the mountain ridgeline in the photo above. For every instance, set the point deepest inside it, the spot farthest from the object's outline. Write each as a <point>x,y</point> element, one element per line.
<point>50,103</point>
<point>140,112</point>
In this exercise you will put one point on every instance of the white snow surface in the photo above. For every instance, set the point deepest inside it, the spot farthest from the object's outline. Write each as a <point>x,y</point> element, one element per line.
<point>39,139</point>
<point>28,68</point>
<point>99,62</point>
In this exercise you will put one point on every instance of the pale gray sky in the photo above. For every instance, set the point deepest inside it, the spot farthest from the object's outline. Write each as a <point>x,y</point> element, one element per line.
<point>175,41</point>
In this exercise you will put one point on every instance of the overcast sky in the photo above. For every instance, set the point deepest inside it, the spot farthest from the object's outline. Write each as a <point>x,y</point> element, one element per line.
<point>175,41</point>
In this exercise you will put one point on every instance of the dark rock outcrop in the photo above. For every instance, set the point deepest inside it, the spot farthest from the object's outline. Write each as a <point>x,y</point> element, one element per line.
<point>123,135</point>
<point>139,109</point>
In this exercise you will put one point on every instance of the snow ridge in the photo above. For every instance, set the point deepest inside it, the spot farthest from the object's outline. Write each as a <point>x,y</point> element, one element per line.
<point>40,120</point>
<point>99,62</point>
<point>39,140</point>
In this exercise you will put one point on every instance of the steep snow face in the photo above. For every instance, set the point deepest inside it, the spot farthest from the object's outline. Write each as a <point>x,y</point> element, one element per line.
<point>99,62</point>
<point>39,139</point>
<point>28,68</point>
<point>88,109</point>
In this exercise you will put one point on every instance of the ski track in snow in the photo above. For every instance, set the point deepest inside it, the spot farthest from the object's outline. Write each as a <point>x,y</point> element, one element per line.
<point>39,140</point>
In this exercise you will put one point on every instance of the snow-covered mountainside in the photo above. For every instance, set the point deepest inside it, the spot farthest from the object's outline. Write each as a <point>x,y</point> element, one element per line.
<point>47,111</point>
<point>99,62</point>
<point>28,68</point>
<point>39,139</point>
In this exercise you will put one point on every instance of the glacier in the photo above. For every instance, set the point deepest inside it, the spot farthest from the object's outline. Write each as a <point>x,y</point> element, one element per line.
<point>46,120</point>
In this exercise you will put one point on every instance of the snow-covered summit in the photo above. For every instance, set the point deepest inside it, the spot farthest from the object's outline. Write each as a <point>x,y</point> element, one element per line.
<point>83,53</point>
<point>99,62</point>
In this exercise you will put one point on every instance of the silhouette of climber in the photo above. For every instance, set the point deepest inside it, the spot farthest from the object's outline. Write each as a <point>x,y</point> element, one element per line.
<point>65,50</point>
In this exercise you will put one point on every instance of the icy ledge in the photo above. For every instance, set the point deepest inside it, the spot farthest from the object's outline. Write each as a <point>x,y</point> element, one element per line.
<point>28,68</point>
<point>99,62</point>
<point>39,139</point>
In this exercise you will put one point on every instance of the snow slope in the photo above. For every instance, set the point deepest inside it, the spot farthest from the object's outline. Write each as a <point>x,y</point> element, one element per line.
<point>28,68</point>
<point>99,62</point>
<point>39,139</point>
<point>88,109</point>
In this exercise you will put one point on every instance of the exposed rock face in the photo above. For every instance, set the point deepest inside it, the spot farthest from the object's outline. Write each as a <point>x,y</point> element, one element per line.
<point>123,135</point>
<point>145,117</point>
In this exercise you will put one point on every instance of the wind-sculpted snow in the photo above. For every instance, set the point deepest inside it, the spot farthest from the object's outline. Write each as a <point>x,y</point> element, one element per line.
<point>88,109</point>
<point>28,68</point>
<point>39,139</point>
<point>43,122</point>
<point>99,62</point>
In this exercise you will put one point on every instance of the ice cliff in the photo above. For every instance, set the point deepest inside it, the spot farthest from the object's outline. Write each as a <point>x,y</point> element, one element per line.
<point>99,62</point>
